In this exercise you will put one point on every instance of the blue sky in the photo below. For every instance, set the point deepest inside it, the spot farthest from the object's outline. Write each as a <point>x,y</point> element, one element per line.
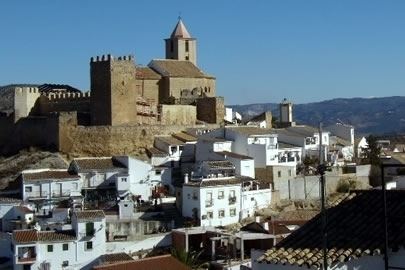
<point>260,51</point>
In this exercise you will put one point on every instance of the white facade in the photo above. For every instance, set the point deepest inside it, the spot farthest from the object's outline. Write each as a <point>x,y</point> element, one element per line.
<point>213,205</point>
<point>48,186</point>
<point>207,148</point>
<point>261,147</point>
<point>81,248</point>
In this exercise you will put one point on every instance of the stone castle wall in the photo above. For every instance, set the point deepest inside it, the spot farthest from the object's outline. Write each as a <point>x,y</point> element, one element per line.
<point>25,99</point>
<point>63,102</point>
<point>178,115</point>
<point>61,132</point>
<point>211,110</point>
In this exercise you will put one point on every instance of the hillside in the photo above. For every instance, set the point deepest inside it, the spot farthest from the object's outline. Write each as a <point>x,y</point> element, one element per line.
<point>10,167</point>
<point>368,115</point>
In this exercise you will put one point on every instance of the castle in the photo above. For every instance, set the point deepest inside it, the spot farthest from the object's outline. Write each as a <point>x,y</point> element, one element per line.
<point>122,96</point>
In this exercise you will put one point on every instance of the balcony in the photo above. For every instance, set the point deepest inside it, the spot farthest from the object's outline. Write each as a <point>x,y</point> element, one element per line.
<point>209,203</point>
<point>26,255</point>
<point>232,200</point>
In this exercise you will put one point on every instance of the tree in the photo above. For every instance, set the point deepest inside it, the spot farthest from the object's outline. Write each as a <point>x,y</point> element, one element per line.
<point>372,154</point>
<point>190,258</point>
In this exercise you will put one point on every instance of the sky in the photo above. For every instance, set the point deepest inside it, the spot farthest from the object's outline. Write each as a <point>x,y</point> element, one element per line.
<point>259,51</point>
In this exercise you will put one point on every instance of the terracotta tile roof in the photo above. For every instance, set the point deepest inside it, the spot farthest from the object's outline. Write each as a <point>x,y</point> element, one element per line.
<point>354,230</point>
<point>30,236</point>
<point>180,31</point>
<point>9,200</point>
<point>166,262</point>
<point>185,137</point>
<point>105,163</point>
<point>147,73</point>
<point>57,175</point>
<point>89,215</point>
<point>233,155</point>
<point>284,145</point>
<point>24,209</point>
<point>170,140</point>
<point>156,152</point>
<point>251,131</point>
<point>114,258</point>
<point>207,182</point>
<point>219,164</point>
<point>176,68</point>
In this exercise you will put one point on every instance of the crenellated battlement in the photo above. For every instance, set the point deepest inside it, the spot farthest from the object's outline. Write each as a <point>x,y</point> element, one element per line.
<point>26,90</point>
<point>68,96</point>
<point>110,58</point>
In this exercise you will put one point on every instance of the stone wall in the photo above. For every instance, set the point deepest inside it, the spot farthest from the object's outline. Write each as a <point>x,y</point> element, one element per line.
<point>24,100</point>
<point>211,110</point>
<point>178,115</point>
<point>172,86</point>
<point>113,90</point>
<point>148,89</point>
<point>67,102</point>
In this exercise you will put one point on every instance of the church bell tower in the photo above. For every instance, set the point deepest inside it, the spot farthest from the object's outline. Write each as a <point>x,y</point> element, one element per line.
<point>180,45</point>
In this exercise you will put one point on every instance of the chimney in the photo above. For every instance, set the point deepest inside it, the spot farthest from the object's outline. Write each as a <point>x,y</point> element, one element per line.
<point>185,178</point>
<point>266,226</point>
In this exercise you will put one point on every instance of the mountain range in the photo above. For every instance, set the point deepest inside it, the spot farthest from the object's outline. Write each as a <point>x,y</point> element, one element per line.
<point>378,116</point>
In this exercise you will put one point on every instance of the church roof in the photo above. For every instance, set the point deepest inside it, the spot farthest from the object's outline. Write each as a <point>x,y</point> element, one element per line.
<point>180,31</point>
<point>146,73</point>
<point>177,68</point>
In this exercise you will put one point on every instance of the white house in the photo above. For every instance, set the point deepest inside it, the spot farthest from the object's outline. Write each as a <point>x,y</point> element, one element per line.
<point>77,248</point>
<point>208,147</point>
<point>362,146</point>
<point>46,187</point>
<point>258,143</point>
<point>306,137</point>
<point>216,197</point>
<point>289,154</point>
<point>141,177</point>
<point>97,172</point>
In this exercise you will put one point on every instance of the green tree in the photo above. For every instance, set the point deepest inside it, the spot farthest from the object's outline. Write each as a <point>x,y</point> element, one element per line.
<point>373,152</point>
<point>190,258</point>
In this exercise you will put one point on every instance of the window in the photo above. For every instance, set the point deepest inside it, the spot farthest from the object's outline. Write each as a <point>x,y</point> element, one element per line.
<point>195,195</point>
<point>279,174</point>
<point>232,212</point>
<point>187,46</point>
<point>221,213</point>
<point>289,172</point>
<point>171,45</point>
<point>89,245</point>
<point>65,263</point>
<point>28,189</point>
<point>50,248</point>
<point>187,58</point>
<point>89,229</point>
<point>123,179</point>
<point>65,246</point>
<point>232,193</point>
<point>220,194</point>
<point>158,172</point>
<point>210,215</point>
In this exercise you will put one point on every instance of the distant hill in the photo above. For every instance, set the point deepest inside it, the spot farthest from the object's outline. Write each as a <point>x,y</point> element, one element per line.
<point>368,115</point>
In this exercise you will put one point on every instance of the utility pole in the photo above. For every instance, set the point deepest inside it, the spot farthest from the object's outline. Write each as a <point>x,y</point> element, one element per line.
<point>321,170</point>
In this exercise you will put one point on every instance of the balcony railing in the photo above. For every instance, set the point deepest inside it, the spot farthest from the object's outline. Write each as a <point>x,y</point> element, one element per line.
<point>232,200</point>
<point>209,203</point>
<point>27,259</point>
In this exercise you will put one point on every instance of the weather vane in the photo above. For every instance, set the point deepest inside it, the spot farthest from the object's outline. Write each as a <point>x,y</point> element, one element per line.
<point>179,15</point>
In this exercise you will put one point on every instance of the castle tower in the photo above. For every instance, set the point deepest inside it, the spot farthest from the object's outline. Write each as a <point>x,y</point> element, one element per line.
<point>113,90</point>
<point>286,117</point>
<point>180,45</point>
